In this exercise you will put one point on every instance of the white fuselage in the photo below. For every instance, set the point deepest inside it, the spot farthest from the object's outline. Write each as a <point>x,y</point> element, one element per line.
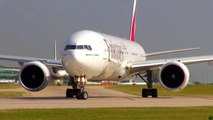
<point>99,56</point>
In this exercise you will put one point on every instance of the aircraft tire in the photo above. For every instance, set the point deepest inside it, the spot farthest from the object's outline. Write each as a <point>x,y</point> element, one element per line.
<point>82,95</point>
<point>144,93</point>
<point>69,93</point>
<point>154,93</point>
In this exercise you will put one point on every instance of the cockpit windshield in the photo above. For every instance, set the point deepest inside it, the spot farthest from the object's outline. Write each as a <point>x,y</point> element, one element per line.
<point>77,47</point>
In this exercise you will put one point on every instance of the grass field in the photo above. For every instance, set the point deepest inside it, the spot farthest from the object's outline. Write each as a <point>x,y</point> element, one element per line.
<point>191,113</point>
<point>9,94</point>
<point>193,90</point>
<point>9,86</point>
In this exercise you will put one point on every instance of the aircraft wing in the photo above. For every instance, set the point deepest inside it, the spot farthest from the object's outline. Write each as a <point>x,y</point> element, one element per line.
<point>156,64</point>
<point>49,62</point>
<point>171,51</point>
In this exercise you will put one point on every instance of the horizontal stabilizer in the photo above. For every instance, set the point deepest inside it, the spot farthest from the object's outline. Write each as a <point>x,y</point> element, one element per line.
<point>171,51</point>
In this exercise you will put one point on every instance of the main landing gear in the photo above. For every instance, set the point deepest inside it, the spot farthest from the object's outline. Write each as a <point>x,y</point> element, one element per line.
<point>77,89</point>
<point>150,91</point>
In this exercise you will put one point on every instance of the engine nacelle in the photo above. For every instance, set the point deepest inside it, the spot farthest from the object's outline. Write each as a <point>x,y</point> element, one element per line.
<point>58,72</point>
<point>34,76</point>
<point>174,76</point>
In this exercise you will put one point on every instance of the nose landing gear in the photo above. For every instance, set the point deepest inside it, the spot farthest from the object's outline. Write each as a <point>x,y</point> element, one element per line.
<point>77,89</point>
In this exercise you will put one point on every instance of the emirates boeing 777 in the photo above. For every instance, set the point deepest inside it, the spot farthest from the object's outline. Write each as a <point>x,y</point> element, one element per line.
<point>90,55</point>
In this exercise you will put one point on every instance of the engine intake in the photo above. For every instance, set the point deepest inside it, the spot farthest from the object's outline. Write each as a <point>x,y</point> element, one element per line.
<point>174,76</point>
<point>34,76</point>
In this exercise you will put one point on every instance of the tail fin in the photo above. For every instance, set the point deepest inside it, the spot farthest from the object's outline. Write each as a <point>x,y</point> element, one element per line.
<point>133,23</point>
<point>55,51</point>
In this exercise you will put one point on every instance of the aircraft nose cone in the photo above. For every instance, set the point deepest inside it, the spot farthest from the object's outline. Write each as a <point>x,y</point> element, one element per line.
<point>75,59</point>
<point>75,63</point>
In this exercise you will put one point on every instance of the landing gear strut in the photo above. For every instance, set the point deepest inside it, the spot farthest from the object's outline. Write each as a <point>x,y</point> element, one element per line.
<point>77,89</point>
<point>150,91</point>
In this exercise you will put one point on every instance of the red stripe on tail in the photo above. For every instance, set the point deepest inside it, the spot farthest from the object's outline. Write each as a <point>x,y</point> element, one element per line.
<point>133,23</point>
<point>133,27</point>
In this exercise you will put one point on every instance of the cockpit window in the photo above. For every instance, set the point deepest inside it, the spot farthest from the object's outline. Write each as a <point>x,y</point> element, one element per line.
<point>88,47</point>
<point>77,47</point>
<point>80,47</point>
<point>70,47</point>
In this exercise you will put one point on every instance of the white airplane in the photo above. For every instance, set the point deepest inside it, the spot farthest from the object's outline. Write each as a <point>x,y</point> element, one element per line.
<point>97,56</point>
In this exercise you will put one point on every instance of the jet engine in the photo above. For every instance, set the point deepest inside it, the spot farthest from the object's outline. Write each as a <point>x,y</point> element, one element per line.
<point>174,76</point>
<point>34,76</point>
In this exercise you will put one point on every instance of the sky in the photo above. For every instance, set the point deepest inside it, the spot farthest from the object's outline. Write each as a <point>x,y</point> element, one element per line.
<point>30,27</point>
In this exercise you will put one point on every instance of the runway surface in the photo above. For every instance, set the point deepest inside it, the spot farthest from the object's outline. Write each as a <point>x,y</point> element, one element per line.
<point>54,97</point>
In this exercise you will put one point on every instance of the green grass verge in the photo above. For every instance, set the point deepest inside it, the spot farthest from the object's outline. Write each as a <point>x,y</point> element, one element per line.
<point>6,93</point>
<point>190,113</point>
<point>194,90</point>
<point>9,94</point>
<point>9,86</point>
